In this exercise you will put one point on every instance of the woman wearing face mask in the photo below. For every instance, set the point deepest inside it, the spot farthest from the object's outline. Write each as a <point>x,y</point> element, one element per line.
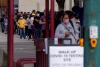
<point>65,30</point>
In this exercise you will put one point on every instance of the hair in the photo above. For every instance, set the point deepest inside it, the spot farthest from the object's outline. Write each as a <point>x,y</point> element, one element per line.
<point>64,14</point>
<point>33,11</point>
<point>70,14</point>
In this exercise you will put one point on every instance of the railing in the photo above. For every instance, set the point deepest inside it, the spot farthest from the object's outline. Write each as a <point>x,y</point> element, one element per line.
<point>21,62</point>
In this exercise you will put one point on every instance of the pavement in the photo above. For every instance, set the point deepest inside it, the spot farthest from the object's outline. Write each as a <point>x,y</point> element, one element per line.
<point>1,58</point>
<point>23,48</point>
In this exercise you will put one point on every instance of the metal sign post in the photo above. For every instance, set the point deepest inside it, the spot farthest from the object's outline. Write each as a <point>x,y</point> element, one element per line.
<point>10,32</point>
<point>52,19</point>
<point>47,17</point>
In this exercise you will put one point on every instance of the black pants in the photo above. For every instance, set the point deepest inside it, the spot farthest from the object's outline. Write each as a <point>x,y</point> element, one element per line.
<point>37,33</point>
<point>29,33</point>
<point>43,33</point>
<point>26,30</point>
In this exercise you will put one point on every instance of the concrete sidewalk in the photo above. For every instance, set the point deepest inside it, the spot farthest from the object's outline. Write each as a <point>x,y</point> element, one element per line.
<point>1,58</point>
<point>3,38</point>
<point>23,48</point>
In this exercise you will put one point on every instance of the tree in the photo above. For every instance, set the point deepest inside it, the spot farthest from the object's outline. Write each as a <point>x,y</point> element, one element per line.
<point>60,4</point>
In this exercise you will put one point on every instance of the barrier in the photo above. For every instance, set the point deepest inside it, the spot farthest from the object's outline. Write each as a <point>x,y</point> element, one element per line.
<point>42,49</point>
<point>41,56</point>
<point>22,61</point>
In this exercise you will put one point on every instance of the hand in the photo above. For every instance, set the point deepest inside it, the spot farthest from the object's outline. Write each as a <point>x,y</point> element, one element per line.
<point>67,34</point>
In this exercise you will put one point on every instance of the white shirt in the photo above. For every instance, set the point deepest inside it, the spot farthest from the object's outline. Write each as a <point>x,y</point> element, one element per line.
<point>6,21</point>
<point>61,29</point>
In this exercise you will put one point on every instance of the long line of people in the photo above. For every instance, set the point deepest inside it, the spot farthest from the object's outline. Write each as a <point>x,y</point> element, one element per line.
<point>33,25</point>
<point>30,25</point>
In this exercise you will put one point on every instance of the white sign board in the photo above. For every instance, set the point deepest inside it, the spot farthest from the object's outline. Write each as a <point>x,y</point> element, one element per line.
<point>93,32</point>
<point>66,56</point>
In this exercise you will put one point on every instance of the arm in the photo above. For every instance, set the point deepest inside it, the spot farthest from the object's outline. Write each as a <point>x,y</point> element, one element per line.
<point>17,23</point>
<point>59,33</point>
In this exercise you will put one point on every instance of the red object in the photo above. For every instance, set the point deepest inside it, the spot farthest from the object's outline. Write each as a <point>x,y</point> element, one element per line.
<point>47,17</point>
<point>52,19</point>
<point>21,62</point>
<point>0,8</point>
<point>10,33</point>
<point>41,56</point>
<point>42,59</point>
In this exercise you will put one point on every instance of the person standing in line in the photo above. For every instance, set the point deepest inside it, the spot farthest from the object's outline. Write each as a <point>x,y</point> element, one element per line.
<point>21,24</point>
<point>65,30</point>
<point>6,24</point>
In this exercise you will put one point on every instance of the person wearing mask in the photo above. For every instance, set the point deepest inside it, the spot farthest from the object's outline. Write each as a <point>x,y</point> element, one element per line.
<point>37,27</point>
<point>6,24</point>
<point>65,30</point>
<point>75,22</point>
<point>29,24</point>
<point>33,13</point>
<point>21,25</point>
<point>2,24</point>
<point>43,25</point>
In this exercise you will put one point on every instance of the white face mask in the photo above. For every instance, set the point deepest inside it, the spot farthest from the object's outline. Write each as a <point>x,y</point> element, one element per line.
<point>32,18</point>
<point>66,21</point>
<point>21,17</point>
<point>38,15</point>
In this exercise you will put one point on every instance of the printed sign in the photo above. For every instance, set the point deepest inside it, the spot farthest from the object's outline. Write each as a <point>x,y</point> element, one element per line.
<point>66,56</point>
<point>93,32</point>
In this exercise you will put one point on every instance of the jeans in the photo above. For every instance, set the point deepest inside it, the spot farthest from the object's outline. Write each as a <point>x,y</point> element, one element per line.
<point>22,33</point>
<point>29,33</point>
<point>26,30</point>
<point>2,26</point>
